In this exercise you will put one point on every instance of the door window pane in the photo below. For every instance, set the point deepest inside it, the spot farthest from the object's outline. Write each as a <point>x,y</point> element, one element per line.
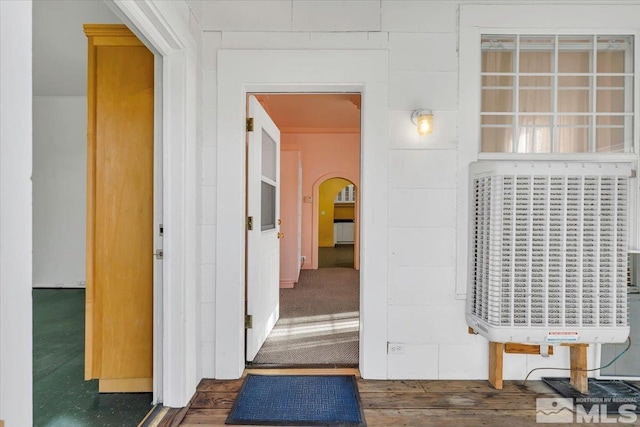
<point>268,206</point>
<point>269,165</point>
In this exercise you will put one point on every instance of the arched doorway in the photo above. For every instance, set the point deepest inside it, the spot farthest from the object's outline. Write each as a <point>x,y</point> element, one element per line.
<point>336,223</point>
<point>333,184</point>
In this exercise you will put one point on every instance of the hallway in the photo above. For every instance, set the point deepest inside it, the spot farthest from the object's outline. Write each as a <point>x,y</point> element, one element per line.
<point>319,321</point>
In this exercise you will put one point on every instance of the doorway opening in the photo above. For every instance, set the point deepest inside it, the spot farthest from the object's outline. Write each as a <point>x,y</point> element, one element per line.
<point>60,212</point>
<point>337,221</point>
<point>319,322</point>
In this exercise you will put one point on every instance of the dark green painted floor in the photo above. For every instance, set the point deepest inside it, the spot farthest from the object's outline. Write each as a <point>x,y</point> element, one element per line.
<point>61,397</point>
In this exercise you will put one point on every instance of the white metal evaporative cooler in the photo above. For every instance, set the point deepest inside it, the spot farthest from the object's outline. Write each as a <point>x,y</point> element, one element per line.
<point>548,251</point>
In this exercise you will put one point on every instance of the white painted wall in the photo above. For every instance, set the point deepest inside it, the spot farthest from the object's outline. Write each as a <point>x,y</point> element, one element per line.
<point>59,138</point>
<point>59,190</point>
<point>15,213</point>
<point>427,216</point>
<point>60,46</point>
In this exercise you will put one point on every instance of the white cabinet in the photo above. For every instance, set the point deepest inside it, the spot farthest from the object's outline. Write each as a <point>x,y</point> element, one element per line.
<point>343,232</point>
<point>346,195</point>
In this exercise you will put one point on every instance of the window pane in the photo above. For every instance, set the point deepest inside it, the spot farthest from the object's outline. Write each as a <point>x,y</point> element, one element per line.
<point>498,54</point>
<point>497,100</point>
<point>534,134</point>
<point>573,134</point>
<point>536,54</point>
<point>497,120</point>
<point>574,81</point>
<point>566,120</point>
<point>535,101</point>
<point>611,54</point>
<point>573,101</point>
<point>610,101</point>
<point>574,62</point>
<point>610,82</point>
<point>610,134</point>
<point>497,62</point>
<point>574,54</point>
<point>573,140</point>
<point>496,140</point>
<point>536,62</point>
<point>268,156</point>
<point>497,81</point>
<point>610,120</point>
<point>268,206</point>
<point>536,81</point>
<point>610,140</point>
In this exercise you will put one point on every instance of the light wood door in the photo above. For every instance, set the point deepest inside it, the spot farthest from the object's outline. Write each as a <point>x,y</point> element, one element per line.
<point>263,206</point>
<point>119,302</point>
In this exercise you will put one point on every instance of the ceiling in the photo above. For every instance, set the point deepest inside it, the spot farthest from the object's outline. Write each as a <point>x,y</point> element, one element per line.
<point>60,46</point>
<point>60,69</point>
<point>313,113</point>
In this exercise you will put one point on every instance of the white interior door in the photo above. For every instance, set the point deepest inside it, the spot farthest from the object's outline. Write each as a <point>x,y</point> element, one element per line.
<point>263,209</point>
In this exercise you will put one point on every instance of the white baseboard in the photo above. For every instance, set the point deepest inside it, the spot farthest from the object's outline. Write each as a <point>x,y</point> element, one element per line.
<point>76,285</point>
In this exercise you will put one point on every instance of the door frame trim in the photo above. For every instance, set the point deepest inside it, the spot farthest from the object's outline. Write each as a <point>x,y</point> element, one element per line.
<point>300,71</point>
<point>163,30</point>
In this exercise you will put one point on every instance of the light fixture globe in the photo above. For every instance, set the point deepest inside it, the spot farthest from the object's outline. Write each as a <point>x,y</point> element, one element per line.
<point>423,119</point>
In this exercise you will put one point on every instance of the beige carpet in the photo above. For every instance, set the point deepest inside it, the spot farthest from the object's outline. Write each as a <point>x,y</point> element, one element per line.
<point>319,321</point>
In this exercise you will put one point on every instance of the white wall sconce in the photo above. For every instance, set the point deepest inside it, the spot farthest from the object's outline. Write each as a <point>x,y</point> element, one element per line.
<point>423,119</point>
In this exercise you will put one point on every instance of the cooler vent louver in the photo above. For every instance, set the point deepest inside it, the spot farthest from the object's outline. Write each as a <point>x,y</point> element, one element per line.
<point>549,251</point>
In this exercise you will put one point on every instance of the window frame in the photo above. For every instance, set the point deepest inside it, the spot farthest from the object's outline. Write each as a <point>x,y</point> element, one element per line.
<point>476,20</point>
<point>630,101</point>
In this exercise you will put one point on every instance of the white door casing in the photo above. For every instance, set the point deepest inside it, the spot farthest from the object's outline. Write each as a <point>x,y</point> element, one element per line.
<point>263,246</point>
<point>299,71</point>
<point>161,27</point>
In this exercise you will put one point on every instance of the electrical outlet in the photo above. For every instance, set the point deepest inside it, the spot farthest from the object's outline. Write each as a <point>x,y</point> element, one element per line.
<point>395,348</point>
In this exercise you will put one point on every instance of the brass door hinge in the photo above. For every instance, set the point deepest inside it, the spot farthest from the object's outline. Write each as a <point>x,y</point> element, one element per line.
<point>250,223</point>
<point>248,321</point>
<point>249,124</point>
